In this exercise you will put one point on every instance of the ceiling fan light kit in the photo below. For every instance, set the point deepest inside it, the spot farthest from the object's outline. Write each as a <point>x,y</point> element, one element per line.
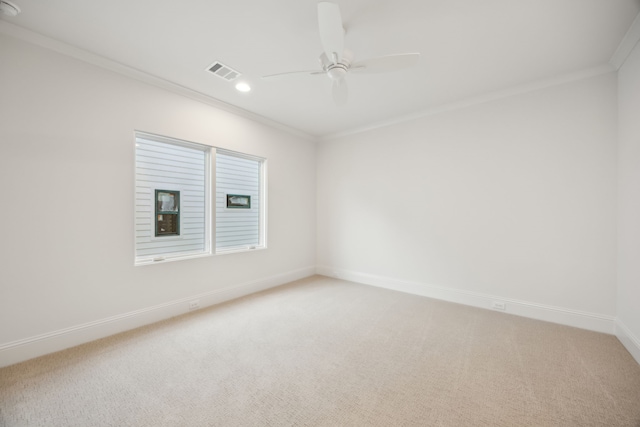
<point>8,8</point>
<point>335,60</point>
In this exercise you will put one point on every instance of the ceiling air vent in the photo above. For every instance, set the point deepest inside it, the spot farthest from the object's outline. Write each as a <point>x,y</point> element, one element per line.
<point>223,71</point>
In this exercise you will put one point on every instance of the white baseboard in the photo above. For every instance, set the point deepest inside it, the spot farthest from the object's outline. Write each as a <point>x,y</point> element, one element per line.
<point>564,316</point>
<point>630,341</point>
<point>28,348</point>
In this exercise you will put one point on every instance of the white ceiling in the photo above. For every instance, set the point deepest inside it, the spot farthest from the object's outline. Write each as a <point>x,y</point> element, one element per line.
<point>469,48</point>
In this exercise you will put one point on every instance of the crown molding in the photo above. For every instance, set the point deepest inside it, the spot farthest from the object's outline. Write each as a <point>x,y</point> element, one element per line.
<point>482,99</point>
<point>142,76</point>
<point>617,60</point>
<point>627,44</point>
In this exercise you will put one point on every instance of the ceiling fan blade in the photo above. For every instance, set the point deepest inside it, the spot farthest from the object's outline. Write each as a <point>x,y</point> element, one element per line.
<point>331,30</point>
<point>324,61</point>
<point>383,64</point>
<point>293,74</point>
<point>340,92</point>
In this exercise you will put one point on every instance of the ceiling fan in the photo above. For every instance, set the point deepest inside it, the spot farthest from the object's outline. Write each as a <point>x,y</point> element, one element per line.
<point>336,61</point>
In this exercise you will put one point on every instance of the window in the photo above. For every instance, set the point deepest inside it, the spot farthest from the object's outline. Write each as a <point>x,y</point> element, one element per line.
<point>174,218</point>
<point>172,199</point>
<point>167,217</point>
<point>239,202</point>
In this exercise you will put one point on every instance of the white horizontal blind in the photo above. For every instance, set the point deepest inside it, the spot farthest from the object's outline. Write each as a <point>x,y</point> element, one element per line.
<point>175,167</point>
<point>237,228</point>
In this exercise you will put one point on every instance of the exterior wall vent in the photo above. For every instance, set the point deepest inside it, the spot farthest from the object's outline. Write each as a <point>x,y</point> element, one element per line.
<point>223,71</point>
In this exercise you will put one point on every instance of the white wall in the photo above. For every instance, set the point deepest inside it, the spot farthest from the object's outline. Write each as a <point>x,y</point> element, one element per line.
<point>67,174</point>
<point>514,199</point>
<point>629,204</point>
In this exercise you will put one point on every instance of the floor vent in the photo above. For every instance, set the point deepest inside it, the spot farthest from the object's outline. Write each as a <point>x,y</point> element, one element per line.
<point>223,71</point>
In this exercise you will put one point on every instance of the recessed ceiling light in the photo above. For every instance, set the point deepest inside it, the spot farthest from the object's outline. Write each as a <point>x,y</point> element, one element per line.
<point>8,8</point>
<point>243,87</point>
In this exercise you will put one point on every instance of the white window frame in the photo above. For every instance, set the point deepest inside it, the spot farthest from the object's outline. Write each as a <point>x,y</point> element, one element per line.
<point>207,235</point>
<point>262,222</point>
<point>210,197</point>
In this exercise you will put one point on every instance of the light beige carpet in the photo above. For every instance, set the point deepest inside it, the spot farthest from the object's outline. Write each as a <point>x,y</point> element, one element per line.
<point>324,352</point>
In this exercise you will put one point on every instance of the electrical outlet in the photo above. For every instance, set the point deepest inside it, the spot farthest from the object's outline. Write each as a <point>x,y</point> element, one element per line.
<point>194,305</point>
<point>499,305</point>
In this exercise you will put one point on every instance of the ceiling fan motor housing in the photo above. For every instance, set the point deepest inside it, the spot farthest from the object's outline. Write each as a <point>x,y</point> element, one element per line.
<point>337,71</point>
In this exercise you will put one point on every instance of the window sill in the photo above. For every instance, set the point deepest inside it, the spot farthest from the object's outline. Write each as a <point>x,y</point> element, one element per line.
<point>161,259</point>
<point>239,250</point>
